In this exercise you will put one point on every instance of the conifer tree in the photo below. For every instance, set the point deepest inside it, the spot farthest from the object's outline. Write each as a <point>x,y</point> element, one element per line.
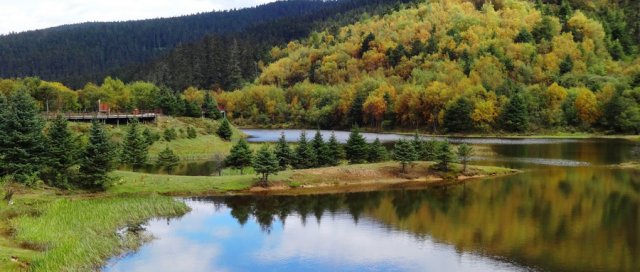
<point>321,150</point>
<point>97,160</point>
<point>170,134</point>
<point>234,79</point>
<point>430,150</point>
<point>21,146</point>
<point>445,156</point>
<point>61,154</point>
<point>377,152</point>
<point>210,107</point>
<point>224,131</point>
<point>457,118</point>
<point>149,137</point>
<point>356,148</point>
<point>514,116</point>
<point>241,156</point>
<point>336,153</point>
<point>404,153</point>
<point>135,150</point>
<point>167,159</point>
<point>192,133</point>
<point>283,153</point>
<point>305,154</point>
<point>265,164</point>
<point>418,144</point>
<point>465,151</point>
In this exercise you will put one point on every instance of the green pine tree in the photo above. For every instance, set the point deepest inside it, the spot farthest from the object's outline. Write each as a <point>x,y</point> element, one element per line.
<point>322,151</point>
<point>377,152</point>
<point>305,154</point>
<point>61,154</point>
<point>170,134</point>
<point>192,133</point>
<point>97,160</point>
<point>283,153</point>
<point>241,156</point>
<point>224,131</point>
<point>457,118</point>
<point>135,150</point>
<point>336,153</point>
<point>430,150</point>
<point>445,156</point>
<point>149,137</point>
<point>167,159</point>
<point>356,148</point>
<point>514,116</point>
<point>210,107</point>
<point>265,164</point>
<point>404,153</point>
<point>465,151</point>
<point>21,146</point>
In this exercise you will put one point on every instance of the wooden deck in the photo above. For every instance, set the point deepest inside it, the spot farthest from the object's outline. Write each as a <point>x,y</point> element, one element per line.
<point>110,118</point>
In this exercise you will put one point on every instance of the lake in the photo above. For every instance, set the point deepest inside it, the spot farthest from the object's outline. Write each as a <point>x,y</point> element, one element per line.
<point>569,211</point>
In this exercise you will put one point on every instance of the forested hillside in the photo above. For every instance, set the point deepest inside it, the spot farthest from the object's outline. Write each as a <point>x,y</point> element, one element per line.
<point>80,53</point>
<point>458,66</point>
<point>226,61</point>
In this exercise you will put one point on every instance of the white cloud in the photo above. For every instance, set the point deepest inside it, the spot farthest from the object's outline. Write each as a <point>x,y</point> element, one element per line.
<point>16,16</point>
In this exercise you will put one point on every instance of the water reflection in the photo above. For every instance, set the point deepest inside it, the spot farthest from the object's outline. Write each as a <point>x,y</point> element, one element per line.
<point>584,219</point>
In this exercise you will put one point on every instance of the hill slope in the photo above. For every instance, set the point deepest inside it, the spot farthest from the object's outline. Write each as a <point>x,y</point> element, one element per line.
<point>68,53</point>
<point>455,66</point>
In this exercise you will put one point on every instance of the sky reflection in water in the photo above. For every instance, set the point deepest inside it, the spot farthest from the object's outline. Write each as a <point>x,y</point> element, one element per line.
<point>209,239</point>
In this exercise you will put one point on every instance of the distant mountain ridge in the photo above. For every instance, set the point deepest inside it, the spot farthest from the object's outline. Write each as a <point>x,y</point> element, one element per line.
<point>78,53</point>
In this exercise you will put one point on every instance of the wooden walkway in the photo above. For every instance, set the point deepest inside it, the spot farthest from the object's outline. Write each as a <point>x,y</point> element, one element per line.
<point>110,118</point>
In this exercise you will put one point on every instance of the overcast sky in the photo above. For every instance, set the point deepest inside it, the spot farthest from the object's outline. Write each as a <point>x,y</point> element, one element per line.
<point>21,15</point>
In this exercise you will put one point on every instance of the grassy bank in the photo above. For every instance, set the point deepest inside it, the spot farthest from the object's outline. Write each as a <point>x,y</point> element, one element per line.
<point>44,232</point>
<point>339,176</point>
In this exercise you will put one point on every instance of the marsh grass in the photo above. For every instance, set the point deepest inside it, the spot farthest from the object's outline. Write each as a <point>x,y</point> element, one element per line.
<point>80,234</point>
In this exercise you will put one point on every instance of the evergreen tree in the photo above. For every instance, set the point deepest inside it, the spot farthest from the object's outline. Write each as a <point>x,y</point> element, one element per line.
<point>210,107</point>
<point>61,154</point>
<point>418,144</point>
<point>192,109</point>
<point>377,152</point>
<point>265,164</point>
<point>305,154</point>
<point>457,118</point>
<point>356,148</point>
<point>566,65</point>
<point>97,159</point>
<point>514,116</point>
<point>430,150</point>
<point>135,150</point>
<point>224,131</point>
<point>404,153</point>
<point>170,134</point>
<point>168,102</point>
<point>464,152</point>
<point>323,156</point>
<point>149,137</point>
<point>21,146</point>
<point>167,159</point>
<point>234,79</point>
<point>192,133</point>
<point>283,153</point>
<point>241,156</point>
<point>355,112</point>
<point>336,153</point>
<point>366,44</point>
<point>445,156</point>
<point>524,36</point>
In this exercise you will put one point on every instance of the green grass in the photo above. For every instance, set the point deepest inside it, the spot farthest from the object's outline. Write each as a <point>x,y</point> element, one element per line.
<point>80,234</point>
<point>136,183</point>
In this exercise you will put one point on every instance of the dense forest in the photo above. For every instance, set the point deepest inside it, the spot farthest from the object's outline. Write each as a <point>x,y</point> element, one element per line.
<point>456,66</point>
<point>441,66</point>
<point>226,61</point>
<point>76,54</point>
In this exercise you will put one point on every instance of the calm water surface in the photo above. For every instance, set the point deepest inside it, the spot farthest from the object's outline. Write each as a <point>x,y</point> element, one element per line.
<point>569,211</point>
